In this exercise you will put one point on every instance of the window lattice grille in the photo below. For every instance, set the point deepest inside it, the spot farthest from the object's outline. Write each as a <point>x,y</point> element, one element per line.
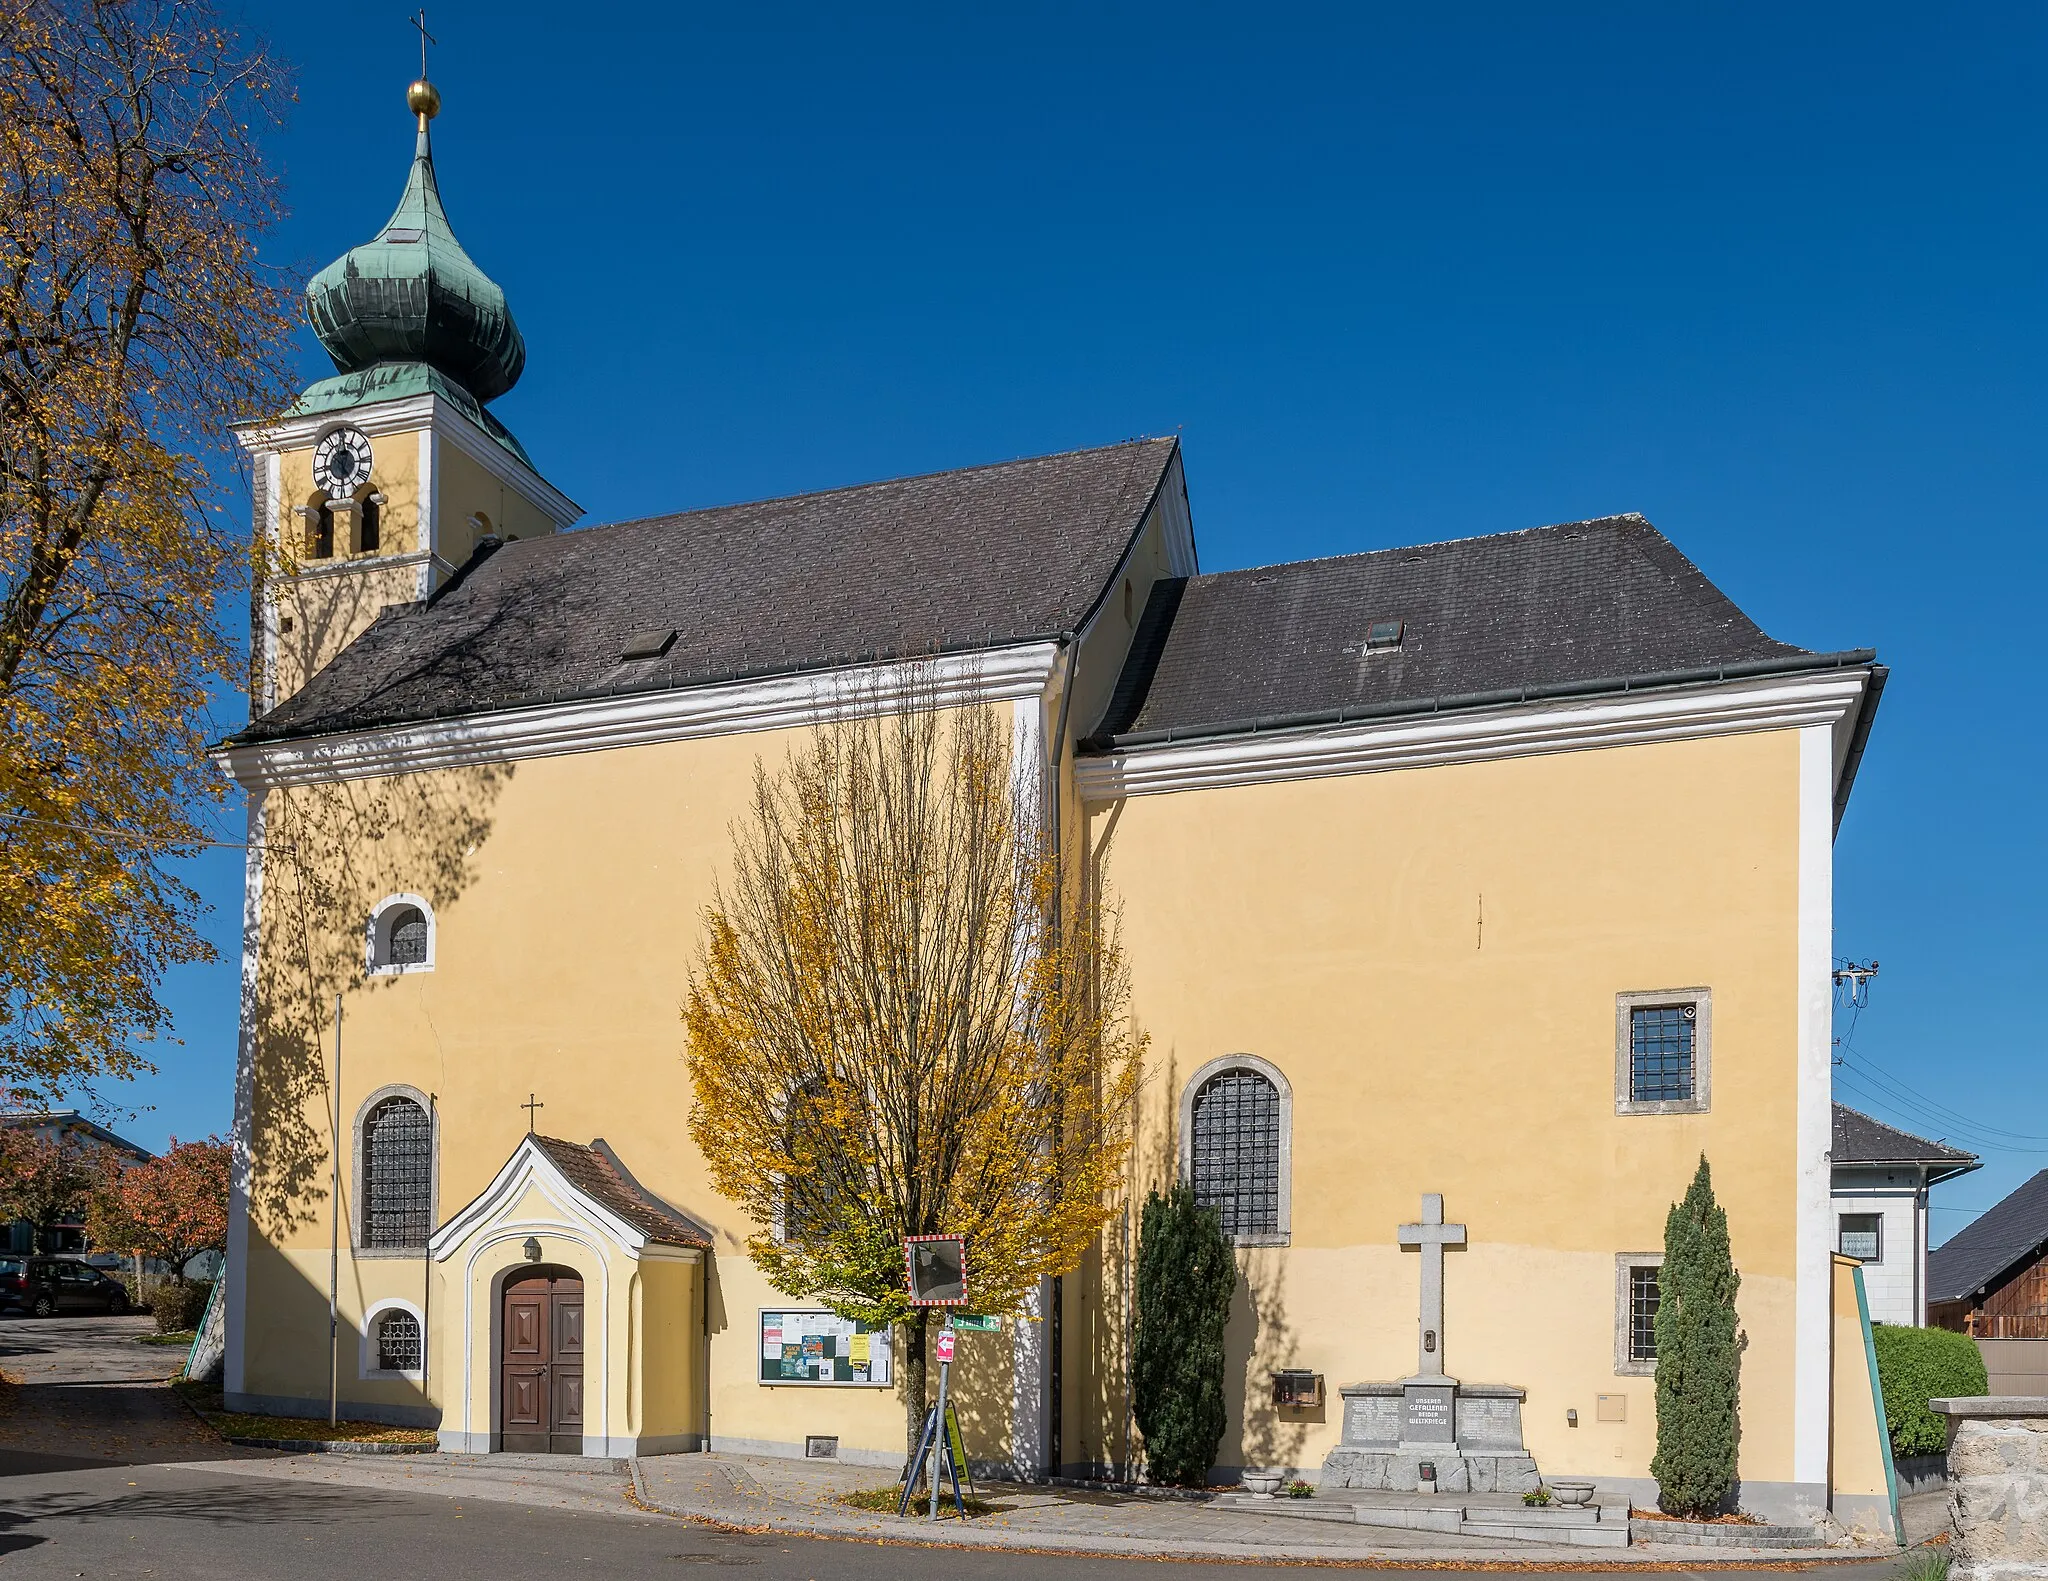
<point>1660,1053</point>
<point>1234,1151</point>
<point>397,1175</point>
<point>398,1342</point>
<point>1642,1314</point>
<point>408,938</point>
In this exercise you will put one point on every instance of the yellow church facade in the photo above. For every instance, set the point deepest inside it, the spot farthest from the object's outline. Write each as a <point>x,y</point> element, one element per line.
<point>1485,885</point>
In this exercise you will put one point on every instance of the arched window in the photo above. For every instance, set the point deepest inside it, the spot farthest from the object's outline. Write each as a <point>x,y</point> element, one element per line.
<point>812,1193</point>
<point>321,538</point>
<point>1237,1114</point>
<point>398,1175</point>
<point>398,1341</point>
<point>408,937</point>
<point>372,528</point>
<point>401,936</point>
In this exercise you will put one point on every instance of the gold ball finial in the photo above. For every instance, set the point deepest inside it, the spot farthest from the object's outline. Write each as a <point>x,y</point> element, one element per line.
<point>423,99</point>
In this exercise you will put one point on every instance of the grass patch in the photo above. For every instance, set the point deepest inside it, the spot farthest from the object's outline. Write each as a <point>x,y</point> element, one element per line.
<point>165,1339</point>
<point>239,1424</point>
<point>885,1500</point>
<point>1925,1565</point>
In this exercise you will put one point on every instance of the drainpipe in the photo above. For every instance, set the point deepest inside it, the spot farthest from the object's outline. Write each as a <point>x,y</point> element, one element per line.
<point>1055,1320</point>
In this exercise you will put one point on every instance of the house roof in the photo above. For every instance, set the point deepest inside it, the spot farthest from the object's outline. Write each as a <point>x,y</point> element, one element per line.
<point>1584,606</point>
<point>598,1176</point>
<point>1862,1140</point>
<point>977,559</point>
<point>71,1120</point>
<point>1977,1257</point>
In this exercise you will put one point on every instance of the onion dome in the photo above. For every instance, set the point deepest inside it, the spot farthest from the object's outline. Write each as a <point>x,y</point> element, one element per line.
<point>412,295</point>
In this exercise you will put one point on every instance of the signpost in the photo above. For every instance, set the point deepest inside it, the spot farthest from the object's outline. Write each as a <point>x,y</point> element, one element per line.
<point>935,1272</point>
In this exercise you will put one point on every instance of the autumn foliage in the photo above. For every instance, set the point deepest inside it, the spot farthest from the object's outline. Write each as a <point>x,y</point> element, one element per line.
<point>171,1208</point>
<point>44,1179</point>
<point>136,323</point>
<point>897,1028</point>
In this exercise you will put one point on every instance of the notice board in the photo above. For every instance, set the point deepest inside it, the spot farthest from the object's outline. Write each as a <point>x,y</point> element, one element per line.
<point>800,1345</point>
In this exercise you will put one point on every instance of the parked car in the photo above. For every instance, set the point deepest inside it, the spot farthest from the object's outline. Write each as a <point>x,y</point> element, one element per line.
<point>47,1286</point>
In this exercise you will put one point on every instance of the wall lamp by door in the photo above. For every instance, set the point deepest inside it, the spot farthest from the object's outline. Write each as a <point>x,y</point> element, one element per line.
<point>532,1248</point>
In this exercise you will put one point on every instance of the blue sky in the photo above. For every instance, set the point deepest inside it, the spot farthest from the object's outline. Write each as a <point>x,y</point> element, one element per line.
<point>1771,275</point>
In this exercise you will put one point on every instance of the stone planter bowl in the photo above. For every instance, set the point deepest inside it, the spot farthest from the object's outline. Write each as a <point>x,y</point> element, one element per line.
<point>1266,1482</point>
<point>1571,1493</point>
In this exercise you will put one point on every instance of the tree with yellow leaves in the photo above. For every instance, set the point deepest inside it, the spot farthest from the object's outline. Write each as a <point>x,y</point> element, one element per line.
<point>897,1026</point>
<point>136,323</point>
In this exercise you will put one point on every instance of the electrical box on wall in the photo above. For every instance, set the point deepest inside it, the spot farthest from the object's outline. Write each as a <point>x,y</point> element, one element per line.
<point>1613,1408</point>
<point>1296,1387</point>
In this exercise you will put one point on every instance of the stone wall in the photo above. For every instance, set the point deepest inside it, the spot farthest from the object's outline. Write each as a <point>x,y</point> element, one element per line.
<point>1998,1486</point>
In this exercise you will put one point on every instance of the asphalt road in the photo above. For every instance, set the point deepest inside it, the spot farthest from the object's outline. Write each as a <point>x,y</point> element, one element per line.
<point>92,1485</point>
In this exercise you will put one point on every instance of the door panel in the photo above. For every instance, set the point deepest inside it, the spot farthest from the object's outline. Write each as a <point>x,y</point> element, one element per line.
<point>541,1410</point>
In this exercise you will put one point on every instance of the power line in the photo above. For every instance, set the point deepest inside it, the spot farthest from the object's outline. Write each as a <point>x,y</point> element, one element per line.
<point>1872,1071</point>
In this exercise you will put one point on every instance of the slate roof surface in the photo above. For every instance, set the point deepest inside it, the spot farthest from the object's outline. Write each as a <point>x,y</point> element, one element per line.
<point>974,559</point>
<point>1862,1140</point>
<point>591,1173</point>
<point>2014,1231</point>
<point>1546,608</point>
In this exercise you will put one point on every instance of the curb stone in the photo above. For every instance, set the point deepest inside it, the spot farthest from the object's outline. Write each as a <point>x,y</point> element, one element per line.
<point>795,1520</point>
<point>331,1446</point>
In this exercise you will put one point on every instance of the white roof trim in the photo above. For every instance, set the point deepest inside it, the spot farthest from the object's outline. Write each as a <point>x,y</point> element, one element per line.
<point>599,724</point>
<point>1778,702</point>
<point>530,1165</point>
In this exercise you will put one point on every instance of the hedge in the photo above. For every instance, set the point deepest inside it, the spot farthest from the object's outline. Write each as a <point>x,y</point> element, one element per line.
<point>179,1307</point>
<point>1915,1365</point>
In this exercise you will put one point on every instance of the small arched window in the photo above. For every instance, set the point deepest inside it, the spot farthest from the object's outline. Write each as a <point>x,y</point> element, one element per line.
<point>1236,1137</point>
<point>401,936</point>
<point>408,937</point>
<point>373,525</point>
<point>398,1175</point>
<point>321,537</point>
<point>398,1341</point>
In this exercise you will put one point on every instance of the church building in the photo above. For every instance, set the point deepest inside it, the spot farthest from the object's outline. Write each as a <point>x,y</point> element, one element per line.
<point>1472,892</point>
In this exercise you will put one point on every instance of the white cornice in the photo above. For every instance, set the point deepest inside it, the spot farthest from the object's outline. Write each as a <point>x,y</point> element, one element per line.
<point>408,414</point>
<point>313,571</point>
<point>1776,702</point>
<point>600,724</point>
<point>530,1165</point>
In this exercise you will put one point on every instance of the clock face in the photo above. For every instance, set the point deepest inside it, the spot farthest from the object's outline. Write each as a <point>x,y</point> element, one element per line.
<point>341,463</point>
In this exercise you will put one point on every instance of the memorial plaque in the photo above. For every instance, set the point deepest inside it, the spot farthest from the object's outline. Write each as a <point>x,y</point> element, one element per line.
<point>1427,1415</point>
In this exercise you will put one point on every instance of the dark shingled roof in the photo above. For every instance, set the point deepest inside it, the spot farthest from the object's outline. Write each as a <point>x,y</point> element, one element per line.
<point>975,559</point>
<point>2012,1233</point>
<point>1581,606</point>
<point>593,1174</point>
<point>1862,1140</point>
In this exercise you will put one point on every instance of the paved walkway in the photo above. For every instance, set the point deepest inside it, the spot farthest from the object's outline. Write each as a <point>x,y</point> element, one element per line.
<point>97,1399</point>
<point>758,1493</point>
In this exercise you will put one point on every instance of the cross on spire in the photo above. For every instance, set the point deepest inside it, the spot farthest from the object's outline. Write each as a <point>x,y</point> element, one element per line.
<point>532,1103</point>
<point>1432,1235</point>
<point>426,38</point>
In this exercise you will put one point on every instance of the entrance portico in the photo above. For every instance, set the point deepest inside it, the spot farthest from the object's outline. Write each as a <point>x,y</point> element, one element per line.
<point>558,1274</point>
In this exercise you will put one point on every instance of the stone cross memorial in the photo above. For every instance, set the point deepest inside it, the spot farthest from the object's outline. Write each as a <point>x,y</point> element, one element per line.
<point>1469,1435</point>
<point>1432,1235</point>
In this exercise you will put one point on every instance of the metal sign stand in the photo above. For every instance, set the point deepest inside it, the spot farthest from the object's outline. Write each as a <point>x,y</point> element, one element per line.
<point>936,1442</point>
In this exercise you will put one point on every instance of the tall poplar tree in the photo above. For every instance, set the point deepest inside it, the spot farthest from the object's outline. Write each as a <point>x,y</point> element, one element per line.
<point>1187,1273</point>
<point>1699,1356</point>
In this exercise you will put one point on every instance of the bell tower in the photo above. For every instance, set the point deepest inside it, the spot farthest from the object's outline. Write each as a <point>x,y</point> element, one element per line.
<point>381,481</point>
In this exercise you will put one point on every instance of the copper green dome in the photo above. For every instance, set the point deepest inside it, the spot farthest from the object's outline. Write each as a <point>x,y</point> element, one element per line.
<point>412,295</point>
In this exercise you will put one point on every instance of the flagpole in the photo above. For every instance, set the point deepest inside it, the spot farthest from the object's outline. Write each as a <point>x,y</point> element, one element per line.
<point>334,1243</point>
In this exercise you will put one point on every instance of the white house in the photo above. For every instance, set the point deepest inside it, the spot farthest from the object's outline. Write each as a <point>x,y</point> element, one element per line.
<point>1881,1180</point>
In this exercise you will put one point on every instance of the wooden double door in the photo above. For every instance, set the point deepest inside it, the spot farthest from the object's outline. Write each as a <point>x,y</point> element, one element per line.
<point>541,1388</point>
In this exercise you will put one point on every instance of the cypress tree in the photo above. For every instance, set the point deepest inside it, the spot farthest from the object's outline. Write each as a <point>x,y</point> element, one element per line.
<point>1699,1357</point>
<point>1186,1275</point>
